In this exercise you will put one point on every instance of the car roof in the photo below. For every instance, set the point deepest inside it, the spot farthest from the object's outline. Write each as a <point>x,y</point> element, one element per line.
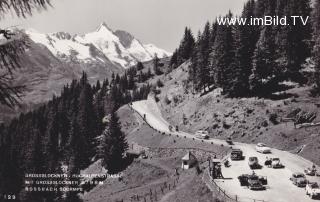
<point>297,173</point>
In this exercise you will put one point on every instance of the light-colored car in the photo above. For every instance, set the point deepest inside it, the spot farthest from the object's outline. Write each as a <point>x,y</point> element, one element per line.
<point>202,134</point>
<point>310,171</point>
<point>262,148</point>
<point>276,163</point>
<point>313,190</point>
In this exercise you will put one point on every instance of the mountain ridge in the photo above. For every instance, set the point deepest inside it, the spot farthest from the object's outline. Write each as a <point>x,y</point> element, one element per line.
<point>120,47</point>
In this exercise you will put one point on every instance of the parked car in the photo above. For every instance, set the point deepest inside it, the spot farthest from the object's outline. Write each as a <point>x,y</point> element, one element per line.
<point>313,190</point>
<point>276,163</point>
<point>236,154</point>
<point>253,181</point>
<point>253,162</point>
<point>310,171</point>
<point>202,134</point>
<point>299,179</point>
<point>262,148</point>
<point>229,141</point>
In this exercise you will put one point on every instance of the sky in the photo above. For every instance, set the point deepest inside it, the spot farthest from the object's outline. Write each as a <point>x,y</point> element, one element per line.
<point>160,22</point>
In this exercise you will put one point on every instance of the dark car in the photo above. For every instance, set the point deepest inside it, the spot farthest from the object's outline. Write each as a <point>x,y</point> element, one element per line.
<point>299,179</point>
<point>253,162</point>
<point>229,141</point>
<point>236,154</point>
<point>253,182</point>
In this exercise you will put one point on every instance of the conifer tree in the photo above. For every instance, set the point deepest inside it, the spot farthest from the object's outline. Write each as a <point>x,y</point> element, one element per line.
<point>194,68</point>
<point>245,45</point>
<point>294,39</point>
<point>222,56</point>
<point>174,59</point>
<point>115,144</point>
<point>203,57</point>
<point>140,66</point>
<point>186,46</point>
<point>316,48</point>
<point>263,61</point>
<point>156,65</point>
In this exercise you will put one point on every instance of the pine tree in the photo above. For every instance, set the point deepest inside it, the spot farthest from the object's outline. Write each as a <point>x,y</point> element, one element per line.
<point>87,116</point>
<point>204,50</point>
<point>98,86</point>
<point>316,48</point>
<point>186,46</point>
<point>246,41</point>
<point>115,145</point>
<point>51,139</point>
<point>195,64</point>
<point>174,59</point>
<point>140,66</point>
<point>260,8</point>
<point>156,66</point>
<point>294,40</point>
<point>222,57</point>
<point>263,62</point>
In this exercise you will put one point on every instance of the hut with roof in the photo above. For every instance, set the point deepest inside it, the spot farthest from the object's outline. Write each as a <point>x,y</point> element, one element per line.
<point>189,161</point>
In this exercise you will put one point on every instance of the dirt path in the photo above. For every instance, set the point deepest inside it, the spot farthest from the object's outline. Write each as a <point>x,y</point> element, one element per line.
<point>280,188</point>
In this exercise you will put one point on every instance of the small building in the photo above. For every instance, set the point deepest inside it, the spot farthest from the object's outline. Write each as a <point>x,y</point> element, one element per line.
<point>189,161</point>
<point>215,168</point>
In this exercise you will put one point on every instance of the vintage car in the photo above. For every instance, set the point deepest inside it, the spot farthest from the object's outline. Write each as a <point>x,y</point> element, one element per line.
<point>253,181</point>
<point>313,190</point>
<point>254,162</point>
<point>299,179</point>
<point>202,134</point>
<point>229,141</point>
<point>262,148</point>
<point>236,154</point>
<point>255,184</point>
<point>275,163</point>
<point>310,171</point>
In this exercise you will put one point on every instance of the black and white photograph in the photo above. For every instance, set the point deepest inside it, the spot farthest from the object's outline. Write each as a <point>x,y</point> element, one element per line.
<point>160,100</point>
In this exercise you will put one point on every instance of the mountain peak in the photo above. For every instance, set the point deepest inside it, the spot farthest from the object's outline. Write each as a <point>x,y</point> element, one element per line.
<point>120,47</point>
<point>103,26</point>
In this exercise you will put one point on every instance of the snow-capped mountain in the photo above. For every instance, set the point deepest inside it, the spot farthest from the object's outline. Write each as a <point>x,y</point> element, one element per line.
<point>54,60</point>
<point>119,47</point>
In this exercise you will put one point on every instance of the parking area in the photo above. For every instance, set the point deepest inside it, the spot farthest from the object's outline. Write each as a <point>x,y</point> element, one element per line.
<point>279,187</point>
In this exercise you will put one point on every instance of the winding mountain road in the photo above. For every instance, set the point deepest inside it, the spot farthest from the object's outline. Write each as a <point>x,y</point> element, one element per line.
<point>279,189</point>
